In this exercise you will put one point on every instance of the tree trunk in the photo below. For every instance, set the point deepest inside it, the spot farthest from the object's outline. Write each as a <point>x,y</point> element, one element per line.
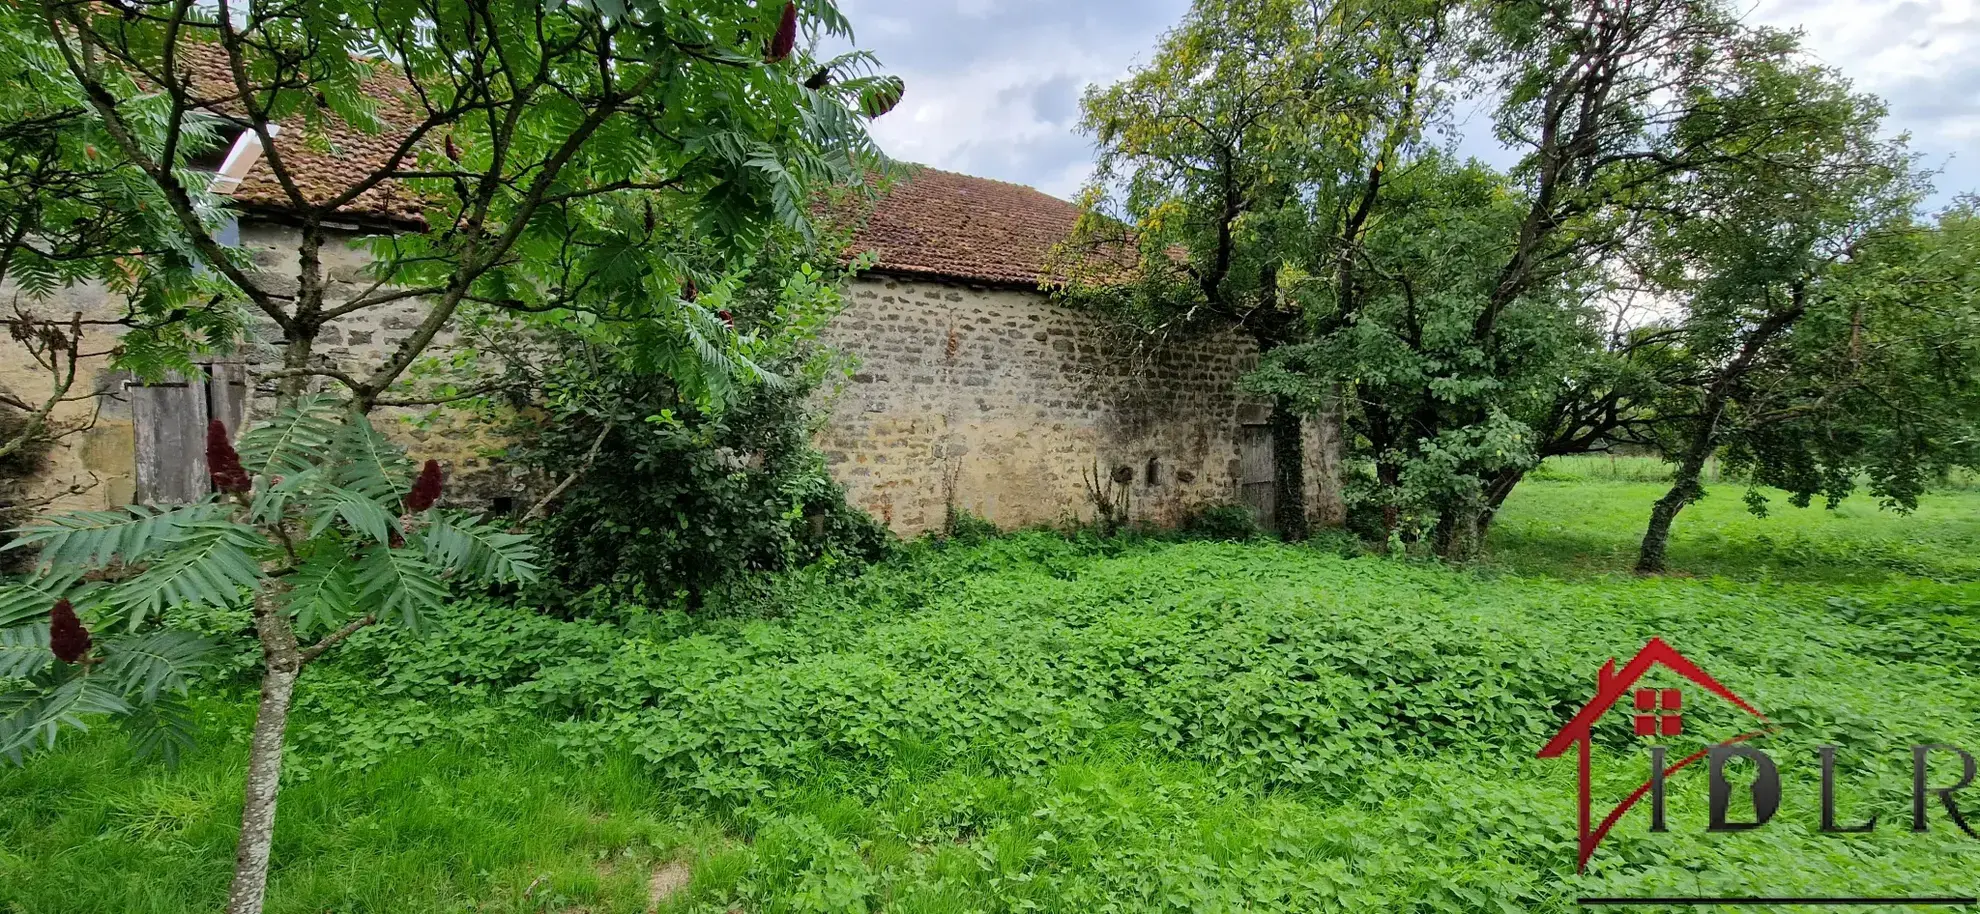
<point>1388,475</point>
<point>282,664</point>
<point>1459,531</point>
<point>1330,505</point>
<point>1705,438</point>
<point>1495,497</point>
<point>1288,471</point>
<point>1685,489</point>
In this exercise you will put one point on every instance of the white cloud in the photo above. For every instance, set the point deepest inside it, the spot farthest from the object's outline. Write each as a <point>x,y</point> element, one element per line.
<point>992,84</point>
<point>987,114</point>
<point>1922,56</point>
<point>993,87</point>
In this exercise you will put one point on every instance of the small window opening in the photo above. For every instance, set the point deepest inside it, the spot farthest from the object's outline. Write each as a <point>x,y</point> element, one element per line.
<point>1154,473</point>
<point>226,136</point>
<point>230,159</point>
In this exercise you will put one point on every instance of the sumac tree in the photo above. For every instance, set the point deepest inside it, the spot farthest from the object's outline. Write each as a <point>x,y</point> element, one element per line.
<point>318,523</point>
<point>537,149</point>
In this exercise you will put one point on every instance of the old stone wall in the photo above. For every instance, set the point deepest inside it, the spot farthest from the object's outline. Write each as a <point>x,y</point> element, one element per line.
<point>91,466</point>
<point>358,343</point>
<point>992,400</point>
<point>95,469</point>
<point>999,402</point>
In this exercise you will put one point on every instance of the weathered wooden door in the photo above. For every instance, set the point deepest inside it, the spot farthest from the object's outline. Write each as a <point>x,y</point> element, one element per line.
<point>1255,471</point>
<point>169,419</point>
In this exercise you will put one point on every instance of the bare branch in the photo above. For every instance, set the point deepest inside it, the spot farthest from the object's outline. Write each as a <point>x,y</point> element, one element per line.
<point>337,637</point>
<point>591,456</point>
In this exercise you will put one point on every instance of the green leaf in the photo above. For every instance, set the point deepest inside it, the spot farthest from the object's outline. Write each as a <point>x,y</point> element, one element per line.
<point>369,464</point>
<point>399,584</point>
<point>32,598</point>
<point>24,651</point>
<point>463,545</point>
<point>296,440</point>
<point>322,591</point>
<point>153,662</point>
<point>360,511</point>
<point>212,569</point>
<point>96,539</point>
<point>161,730</point>
<point>29,719</point>
<point>271,501</point>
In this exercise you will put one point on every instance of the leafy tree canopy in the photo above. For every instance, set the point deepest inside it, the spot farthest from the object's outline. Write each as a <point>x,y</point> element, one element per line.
<point>1270,169</point>
<point>555,155</point>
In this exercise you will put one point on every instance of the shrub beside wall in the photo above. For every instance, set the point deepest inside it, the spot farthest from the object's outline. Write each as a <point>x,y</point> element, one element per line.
<point>680,504</point>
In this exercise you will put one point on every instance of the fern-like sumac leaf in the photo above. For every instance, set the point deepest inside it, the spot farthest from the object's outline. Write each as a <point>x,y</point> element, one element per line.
<point>96,539</point>
<point>369,464</point>
<point>881,97</point>
<point>212,568</point>
<point>468,548</point>
<point>399,585</point>
<point>31,720</point>
<point>322,591</point>
<point>364,515</point>
<point>152,663</point>
<point>294,441</point>
<point>161,730</point>
<point>31,598</point>
<point>272,501</point>
<point>24,651</point>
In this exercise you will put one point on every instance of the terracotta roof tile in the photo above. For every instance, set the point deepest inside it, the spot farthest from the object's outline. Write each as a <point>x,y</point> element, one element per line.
<point>323,173</point>
<point>939,223</point>
<point>932,223</point>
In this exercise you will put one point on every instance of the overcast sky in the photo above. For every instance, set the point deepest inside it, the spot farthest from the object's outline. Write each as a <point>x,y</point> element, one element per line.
<point>993,86</point>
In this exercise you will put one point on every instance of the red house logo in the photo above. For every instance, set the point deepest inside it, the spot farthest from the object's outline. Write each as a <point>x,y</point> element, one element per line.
<point>1655,712</point>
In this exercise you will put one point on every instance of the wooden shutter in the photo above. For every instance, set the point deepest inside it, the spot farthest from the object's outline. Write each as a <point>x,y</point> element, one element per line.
<point>170,421</point>
<point>170,418</point>
<point>227,395</point>
<point>1255,471</point>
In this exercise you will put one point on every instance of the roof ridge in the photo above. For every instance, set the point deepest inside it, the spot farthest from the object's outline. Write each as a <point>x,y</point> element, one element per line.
<point>945,224</point>
<point>959,174</point>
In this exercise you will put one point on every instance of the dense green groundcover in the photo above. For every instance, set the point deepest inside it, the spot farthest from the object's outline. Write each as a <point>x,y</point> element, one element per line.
<point>1036,723</point>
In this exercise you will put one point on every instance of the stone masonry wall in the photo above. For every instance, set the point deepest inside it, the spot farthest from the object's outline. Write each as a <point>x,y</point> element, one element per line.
<point>358,343</point>
<point>100,462</point>
<point>998,401</point>
<point>92,467</point>
<point>994,400</point>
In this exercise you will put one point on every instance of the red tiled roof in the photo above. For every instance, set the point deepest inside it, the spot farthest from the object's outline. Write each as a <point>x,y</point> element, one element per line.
<point>931,223</point>
<point>939,223</point>
<point>322,173</point>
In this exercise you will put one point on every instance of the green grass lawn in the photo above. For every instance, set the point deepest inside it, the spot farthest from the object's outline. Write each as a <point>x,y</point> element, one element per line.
<point>1050,725</point>
<point>1583,528</point>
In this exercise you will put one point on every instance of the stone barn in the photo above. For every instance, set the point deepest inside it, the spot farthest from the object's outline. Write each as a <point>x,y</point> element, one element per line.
<point>973,390</point>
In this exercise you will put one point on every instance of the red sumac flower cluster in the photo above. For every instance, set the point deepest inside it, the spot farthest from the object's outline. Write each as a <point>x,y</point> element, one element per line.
<point>222,463</point>
<point>786,37</point>
<point>426,489</point>
<point>66,635</point>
